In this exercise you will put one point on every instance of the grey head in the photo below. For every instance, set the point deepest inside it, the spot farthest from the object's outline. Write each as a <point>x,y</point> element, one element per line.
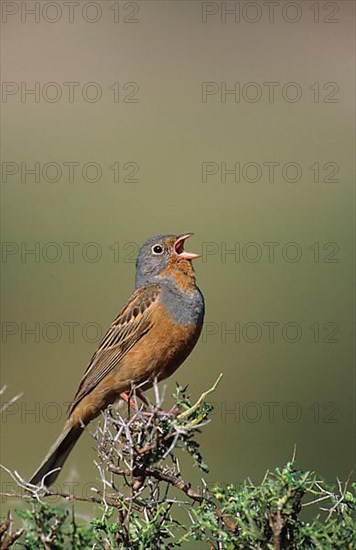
<point>161,254</point>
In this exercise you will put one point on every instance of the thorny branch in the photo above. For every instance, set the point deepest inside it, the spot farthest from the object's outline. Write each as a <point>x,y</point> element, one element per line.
<point>141,479</point>
<point>137,446</point>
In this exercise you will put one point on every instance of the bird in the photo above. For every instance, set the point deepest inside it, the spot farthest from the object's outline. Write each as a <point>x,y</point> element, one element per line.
<point>148,340</point>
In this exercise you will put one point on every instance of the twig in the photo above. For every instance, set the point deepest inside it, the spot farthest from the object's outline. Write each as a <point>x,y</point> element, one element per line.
<point>6,405</point>
<point>189,411</point>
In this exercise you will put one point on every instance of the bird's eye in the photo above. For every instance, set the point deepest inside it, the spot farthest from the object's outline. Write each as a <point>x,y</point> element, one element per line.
<point>157,249</point>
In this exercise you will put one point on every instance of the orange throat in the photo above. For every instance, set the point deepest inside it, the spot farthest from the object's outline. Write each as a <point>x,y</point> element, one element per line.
<point>182,272</point>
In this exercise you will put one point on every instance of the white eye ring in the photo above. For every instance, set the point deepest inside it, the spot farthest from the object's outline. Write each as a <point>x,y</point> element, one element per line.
<point>157,249</point>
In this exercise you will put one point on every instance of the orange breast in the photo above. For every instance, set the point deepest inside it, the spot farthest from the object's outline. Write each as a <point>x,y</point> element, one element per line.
<point>156,355</point>
<point>160,352</point>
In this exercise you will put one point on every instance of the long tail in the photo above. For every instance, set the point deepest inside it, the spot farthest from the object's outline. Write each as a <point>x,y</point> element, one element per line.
<point>57,455</point>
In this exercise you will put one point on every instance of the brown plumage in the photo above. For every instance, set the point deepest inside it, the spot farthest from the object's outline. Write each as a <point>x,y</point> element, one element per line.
<point>150,338</point>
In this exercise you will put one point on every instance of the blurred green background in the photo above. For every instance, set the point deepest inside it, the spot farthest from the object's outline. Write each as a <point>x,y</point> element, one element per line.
<point>274,394</point>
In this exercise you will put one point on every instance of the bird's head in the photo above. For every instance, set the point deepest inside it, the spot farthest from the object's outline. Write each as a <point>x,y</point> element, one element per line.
<point>164,256</point>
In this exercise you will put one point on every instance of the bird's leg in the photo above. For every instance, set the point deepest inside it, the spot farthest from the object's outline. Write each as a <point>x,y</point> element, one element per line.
<point>126,397</point>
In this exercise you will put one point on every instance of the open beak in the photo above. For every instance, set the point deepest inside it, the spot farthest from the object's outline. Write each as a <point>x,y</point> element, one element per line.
<point>179,248</point>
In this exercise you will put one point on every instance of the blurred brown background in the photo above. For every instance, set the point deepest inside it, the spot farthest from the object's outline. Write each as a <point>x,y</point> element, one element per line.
<point>129,143</point>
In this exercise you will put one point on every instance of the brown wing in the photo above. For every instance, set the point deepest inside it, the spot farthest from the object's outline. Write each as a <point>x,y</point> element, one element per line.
<point>130,325</point>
